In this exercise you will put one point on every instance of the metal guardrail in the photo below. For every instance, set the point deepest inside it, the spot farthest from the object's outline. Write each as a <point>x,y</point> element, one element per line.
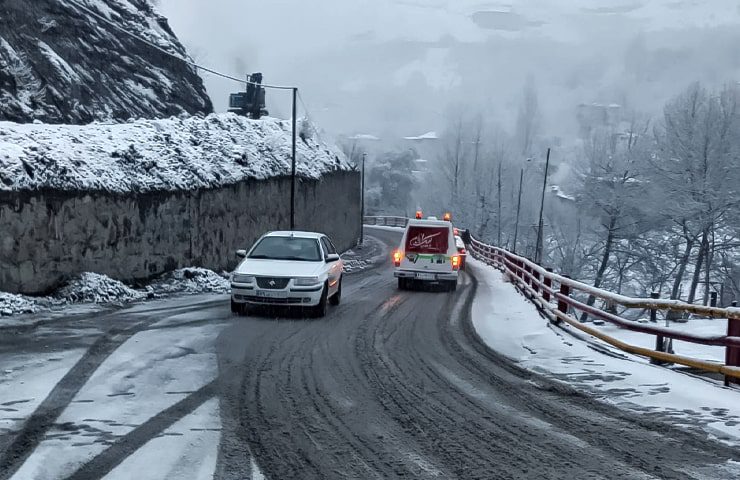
<point>388,221</point>
<point>552,294</point>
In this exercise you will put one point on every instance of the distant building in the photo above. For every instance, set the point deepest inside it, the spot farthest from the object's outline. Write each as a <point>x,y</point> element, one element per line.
<point>425,145</point>
<point>364,136</point>
<point>597,115</point>
<point>429,136</point>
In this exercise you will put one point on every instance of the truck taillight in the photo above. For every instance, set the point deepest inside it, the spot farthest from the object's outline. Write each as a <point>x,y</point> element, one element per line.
<point>397,256</point>
<point>455,262</point>
<point>447,217</point>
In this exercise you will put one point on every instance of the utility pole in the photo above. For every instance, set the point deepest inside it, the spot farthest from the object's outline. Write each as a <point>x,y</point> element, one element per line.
<point>540,239</point>
<point>292,166</point>
<point>498,236</point>
<point>518,207</point>
<point>362,200</point>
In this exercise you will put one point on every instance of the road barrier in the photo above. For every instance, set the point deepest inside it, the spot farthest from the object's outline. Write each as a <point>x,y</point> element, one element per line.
<point>553,295</point>
<point>389,221</point>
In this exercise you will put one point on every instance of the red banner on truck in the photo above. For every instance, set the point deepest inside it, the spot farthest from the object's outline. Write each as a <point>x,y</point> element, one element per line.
<point>432,240</point>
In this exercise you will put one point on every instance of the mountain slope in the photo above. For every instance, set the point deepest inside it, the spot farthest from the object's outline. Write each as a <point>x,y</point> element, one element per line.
<point>60,64</point>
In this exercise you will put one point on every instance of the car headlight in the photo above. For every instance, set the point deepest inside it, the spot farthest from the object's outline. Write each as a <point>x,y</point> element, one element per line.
<point>241,278</point>
<point>306,281</point>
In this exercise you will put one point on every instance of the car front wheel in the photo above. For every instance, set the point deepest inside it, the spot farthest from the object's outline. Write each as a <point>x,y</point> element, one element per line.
<point>320,309</point>
<point>337,297</point>
<point>236,308</point>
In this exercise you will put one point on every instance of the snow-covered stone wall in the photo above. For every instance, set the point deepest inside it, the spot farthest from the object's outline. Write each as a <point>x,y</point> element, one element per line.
<point>137,199</point>
<point>48,236</point>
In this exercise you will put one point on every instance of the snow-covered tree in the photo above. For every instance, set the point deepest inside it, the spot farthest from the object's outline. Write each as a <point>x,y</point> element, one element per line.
<point>696,170</point>
<point>391,176</point>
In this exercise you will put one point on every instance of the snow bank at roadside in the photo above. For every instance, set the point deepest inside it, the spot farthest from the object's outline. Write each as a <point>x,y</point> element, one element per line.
<point>157,155</point>
<point>364,256</point>
<point>95,288</point>
<point>191,280</point>
<point>101,289</point>
<point>511,325</point>
<point>11,303</point>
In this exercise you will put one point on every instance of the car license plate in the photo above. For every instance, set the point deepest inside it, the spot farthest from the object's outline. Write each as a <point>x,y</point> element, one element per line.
<point>267,294</point>
<point>425,276</point>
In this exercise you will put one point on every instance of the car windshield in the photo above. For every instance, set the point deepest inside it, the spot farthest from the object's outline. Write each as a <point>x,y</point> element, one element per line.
<point>287,248</point>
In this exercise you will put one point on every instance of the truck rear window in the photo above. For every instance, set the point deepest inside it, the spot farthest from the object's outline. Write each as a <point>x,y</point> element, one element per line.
<point>427,239</point>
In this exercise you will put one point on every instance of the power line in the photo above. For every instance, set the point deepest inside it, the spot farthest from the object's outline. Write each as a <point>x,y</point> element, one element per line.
<point>308,117</point>
<point>157,47</point>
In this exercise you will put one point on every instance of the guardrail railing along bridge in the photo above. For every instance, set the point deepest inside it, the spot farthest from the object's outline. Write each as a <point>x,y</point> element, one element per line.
<point>388,221</point>
<point>554,296</point>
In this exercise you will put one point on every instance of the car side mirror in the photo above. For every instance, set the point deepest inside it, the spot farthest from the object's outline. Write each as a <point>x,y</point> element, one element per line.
<point>241,253</point>
<point>332,257</point>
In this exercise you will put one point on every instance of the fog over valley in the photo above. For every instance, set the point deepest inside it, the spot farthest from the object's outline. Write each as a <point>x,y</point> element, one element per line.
<point>396,68</point>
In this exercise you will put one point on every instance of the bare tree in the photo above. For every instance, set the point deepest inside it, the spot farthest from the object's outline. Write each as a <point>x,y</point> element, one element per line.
<point>611,194</point>
<point>453,156</point>
<point>528,119</point>
<point>697,146</point>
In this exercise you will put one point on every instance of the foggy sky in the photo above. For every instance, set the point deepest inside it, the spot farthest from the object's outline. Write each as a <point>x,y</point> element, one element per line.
<point>395,67</point>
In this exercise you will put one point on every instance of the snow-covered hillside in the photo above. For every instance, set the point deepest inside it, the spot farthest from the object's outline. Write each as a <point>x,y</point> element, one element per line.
<point>61,64</point>
<point>156,155</point>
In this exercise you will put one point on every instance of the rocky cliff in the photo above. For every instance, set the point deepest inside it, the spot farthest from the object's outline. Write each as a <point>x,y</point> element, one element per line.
<point>61,64</point>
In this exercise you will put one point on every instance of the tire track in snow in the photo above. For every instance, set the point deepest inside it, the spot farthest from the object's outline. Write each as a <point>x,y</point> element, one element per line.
<point>396,384</point>
<point>15,449</point>
<point>110,458</point>
<point>43,418</point>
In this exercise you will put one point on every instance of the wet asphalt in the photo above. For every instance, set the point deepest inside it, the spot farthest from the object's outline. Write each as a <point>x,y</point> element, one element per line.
<point>390,384</point>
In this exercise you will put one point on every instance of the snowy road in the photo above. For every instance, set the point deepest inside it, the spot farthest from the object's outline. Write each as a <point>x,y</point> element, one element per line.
<point>391,384</point>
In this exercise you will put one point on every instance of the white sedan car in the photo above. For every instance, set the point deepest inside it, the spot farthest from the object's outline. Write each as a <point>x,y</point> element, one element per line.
<point>301,269</point>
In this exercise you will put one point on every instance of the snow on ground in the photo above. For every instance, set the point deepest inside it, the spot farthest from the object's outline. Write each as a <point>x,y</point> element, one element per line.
<point>27,379</point>
<point>699,326</point>
<point>178,453</point>
<point>179,308</point>
<point>191,280</point>
<point>47,312</point>
<point>157,155</point>
<point>364,256</point>
<point>511,325</point>
<point>11,303</point>
<point>151,371</point>
<point>93,288</point>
